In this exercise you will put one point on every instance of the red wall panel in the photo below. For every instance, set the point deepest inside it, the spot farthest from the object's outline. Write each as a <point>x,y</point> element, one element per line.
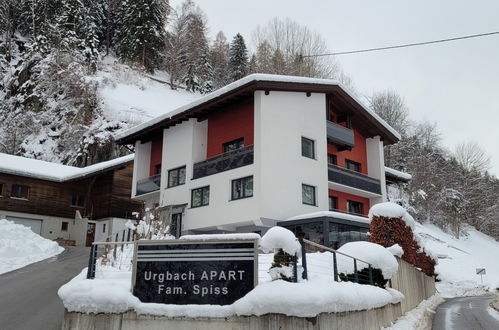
<point>357,154</point>
<point>156,155</point>
<point>230,124</point>
<point>343,197</point>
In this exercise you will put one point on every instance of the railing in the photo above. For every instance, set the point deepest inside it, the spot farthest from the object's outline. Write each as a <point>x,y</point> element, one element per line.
<point>149,184</point>
<point>226,161</point>
<point>116,251</point>
<point>353,179</point>
<point>318,266</point>
<point>340,134</point>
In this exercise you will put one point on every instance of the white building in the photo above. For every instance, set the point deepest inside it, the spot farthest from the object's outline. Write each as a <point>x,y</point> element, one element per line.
<point>260,151</point>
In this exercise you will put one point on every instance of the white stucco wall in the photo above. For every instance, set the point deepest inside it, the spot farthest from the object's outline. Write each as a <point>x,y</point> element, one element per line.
<point>376,165</point>
<point>281,119</point>
<point>141,163</point>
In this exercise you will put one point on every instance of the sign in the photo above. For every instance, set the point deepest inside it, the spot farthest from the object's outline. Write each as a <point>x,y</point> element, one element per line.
<point>480,271</point>
<point>194,272</point>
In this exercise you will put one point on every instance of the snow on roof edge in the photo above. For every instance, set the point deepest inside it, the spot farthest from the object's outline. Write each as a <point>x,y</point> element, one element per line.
<point>334,214</point>
<point>248,79</point>
<point>43,170</point>
<point>398,174</point>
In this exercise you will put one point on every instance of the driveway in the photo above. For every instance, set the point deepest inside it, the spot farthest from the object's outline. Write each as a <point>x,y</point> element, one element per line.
<point>466,313</point>
<point>28,296</point>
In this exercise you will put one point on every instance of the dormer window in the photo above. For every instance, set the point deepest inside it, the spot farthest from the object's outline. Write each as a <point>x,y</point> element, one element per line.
<point>233,145</point>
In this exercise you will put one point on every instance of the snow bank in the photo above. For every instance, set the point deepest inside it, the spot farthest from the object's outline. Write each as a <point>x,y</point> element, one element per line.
<point>280,238</point>
<point>420,318</point>
<point>110,293</point>
<point>392,210</point>
<point>396,250</point>
<point>19,246</point>
<point>459,258</point>
<point>375,254</point>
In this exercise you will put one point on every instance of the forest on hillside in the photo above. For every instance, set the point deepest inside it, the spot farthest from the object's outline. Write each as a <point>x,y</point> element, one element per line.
<point>51,52</point>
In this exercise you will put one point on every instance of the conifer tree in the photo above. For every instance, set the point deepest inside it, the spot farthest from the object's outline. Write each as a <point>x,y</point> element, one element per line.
<point>219,59</point>
<point>238,58</point>
<point>140,31</point>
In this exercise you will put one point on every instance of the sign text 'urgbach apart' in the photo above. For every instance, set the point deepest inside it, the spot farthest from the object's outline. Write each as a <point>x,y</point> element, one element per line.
<point>194,272</point>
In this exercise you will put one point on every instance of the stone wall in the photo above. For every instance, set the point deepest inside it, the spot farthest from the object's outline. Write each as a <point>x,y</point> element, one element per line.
<point>369,319</point>
<point>413,283</point>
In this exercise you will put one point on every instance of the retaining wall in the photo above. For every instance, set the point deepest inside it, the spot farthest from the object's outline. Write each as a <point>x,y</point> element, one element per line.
<point>370,320</point>
<point>413,283</point>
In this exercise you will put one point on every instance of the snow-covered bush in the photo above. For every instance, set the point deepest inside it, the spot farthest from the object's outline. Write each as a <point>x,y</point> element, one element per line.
<point>391,224</point>
<point>383,263</point>
<point>285,245</point>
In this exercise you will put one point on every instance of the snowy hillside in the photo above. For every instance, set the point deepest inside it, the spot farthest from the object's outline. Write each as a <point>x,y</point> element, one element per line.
<point>19,246</point>
<point>459,258</point>
<point>134,97</point>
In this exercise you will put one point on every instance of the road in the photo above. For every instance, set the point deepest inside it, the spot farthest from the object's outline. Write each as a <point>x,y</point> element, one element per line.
<point>466,313</point>
<point>28,296</point>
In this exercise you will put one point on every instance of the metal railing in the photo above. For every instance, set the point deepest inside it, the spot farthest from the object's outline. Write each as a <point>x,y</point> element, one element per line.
<point>353,179</point>
<point>340,134</point>
<point>358,264</point>
<point>226,161</point>
<point>148,185</point>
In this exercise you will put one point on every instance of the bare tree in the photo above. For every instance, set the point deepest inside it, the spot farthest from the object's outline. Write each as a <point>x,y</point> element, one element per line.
<point>472,157</point>
<point>291,41</point>
<point>390,106</point>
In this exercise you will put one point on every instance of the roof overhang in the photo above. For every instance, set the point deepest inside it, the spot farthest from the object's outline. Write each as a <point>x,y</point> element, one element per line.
<point>245,88</point>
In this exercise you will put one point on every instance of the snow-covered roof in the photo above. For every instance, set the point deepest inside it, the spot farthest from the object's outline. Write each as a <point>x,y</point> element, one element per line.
<point>402,176</point>
<point>236,85</point>
<point>332,214</point>
<point>43,170</point>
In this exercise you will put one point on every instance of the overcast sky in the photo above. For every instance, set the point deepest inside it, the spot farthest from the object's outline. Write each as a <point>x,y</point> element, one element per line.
<point>455,84</point>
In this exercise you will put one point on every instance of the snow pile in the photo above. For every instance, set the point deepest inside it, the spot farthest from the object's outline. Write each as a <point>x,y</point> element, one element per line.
<point>396,250</point>
<point>110,293</point>
<point>280,238</point>
<point>392,210</point>
<point>375,254</point>
<point>459,258</point>
<point>19,246</point>
<point>419,318</point>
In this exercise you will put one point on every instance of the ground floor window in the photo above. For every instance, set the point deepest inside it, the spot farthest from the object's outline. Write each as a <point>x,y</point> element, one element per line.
<point>340,234</point>
<point>64,226</point>
<point>200,196</point>
<point>242,188</point>
<point>308,194</point>
<point>19,191</point>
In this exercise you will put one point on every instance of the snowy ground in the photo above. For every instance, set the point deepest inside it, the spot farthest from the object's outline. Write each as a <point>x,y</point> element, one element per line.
<point>19,247</point>
<point>135,97</point>
<point>459,258</point>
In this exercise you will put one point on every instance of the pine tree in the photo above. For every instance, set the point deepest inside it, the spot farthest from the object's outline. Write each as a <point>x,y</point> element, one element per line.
<point>140,31</point>
<point>219,60</point>
<point>238,58</point>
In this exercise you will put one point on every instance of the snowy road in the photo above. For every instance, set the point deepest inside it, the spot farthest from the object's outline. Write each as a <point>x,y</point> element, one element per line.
<point>28,296</point>
<point>466,313</point>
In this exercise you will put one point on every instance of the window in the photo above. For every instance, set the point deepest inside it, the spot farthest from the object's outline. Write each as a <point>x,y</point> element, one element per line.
<point>332,159</point>
<point>157,169</point>
<point>307,148</point>
<point>308,194</point>
<point>242,188</point>
<point>233,145</point>
<point>200,196</point>
<point>19,191</point>
<point>103,227</point>
<point>1,189</point>
<point>333,203</point>
<point>176,177</point>
<point>78,200</point>
<point>64,226</point>
<point>351,165</point>
<point>354,207</point>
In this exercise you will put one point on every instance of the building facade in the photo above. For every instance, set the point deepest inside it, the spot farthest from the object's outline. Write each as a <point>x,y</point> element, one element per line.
<point>68,203</point>
<point>259,152</point>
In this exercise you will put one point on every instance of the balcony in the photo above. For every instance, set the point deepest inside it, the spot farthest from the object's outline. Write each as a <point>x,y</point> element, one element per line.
<point>353,179</point>
<point>340,134</point>
<point>227,161</point>
<point>148,185</point>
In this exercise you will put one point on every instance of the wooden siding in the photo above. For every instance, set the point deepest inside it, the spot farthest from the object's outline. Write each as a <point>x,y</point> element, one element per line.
<point>54,198</point>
